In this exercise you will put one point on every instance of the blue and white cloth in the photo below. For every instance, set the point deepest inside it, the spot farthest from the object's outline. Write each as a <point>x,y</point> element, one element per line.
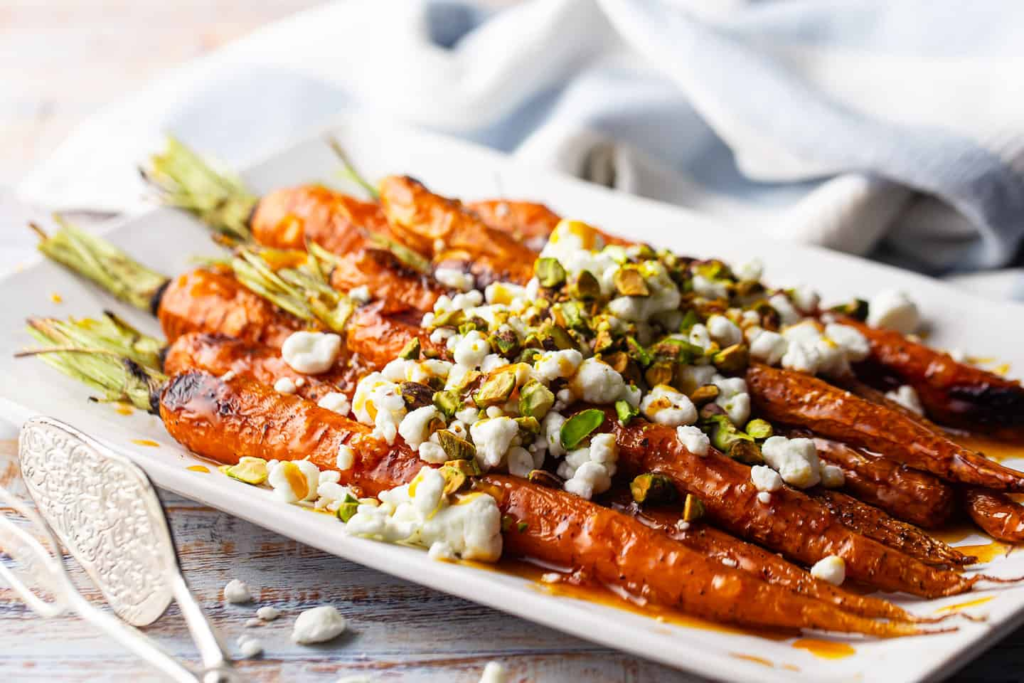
<point>888,129</point>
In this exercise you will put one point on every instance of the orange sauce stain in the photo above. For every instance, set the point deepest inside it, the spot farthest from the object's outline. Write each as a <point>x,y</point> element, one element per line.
<point>953,534</point>
<point>964,605</point>
<point>124,409</point>
<point>751,658</point>
<point>825,649</point>
<point>146,442</point>
<point>1003,369</point>
<point>542,581</point>
<point>198,468</point>
<point>986,552</point>
<point>56,298</point>
<point>790,667</point>
<point>991,448</point>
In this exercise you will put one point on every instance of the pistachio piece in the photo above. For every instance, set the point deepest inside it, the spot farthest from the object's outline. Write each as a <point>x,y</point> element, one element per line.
<point>544,478</point>
<point>249,470</point>
<point>496,389</point>
<point>448,402</point>
<point>569,315</point>
<point>759,429</point>
<point>693,508</point>
<point>857,309</point>
<point>727,438</point>
<point>732,359</point>
<point>529,425</point>
<point>416,395</point>
<point>653,489</point>
<point>450,318</point>
<point>637,352</point>
<point>505,341</point>
<point>529,355</point>
<point>411,351</point>
<point>557,338</point>
<point>770,318</point>
<point>456,448</point>
<point>348,507</point>
<point>747,452</point>
<point>585,287</point>
<point>604,341</point>
<point>689,320</point>
<point>704,395</point>
<point>579,427</point>
<point>619,361</point>
<point>549,272</point>
<point>457,474</point>
<point>626,411</point>
<point>630,282</point>
<point>535,400</point>
<point>659,373</point>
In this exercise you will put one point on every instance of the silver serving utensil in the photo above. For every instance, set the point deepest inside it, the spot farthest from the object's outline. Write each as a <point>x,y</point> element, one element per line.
<point>105,511</point>
<point>35,571</point>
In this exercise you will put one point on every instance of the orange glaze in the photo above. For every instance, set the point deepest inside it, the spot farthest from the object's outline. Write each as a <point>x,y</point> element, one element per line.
<point>986,552</point>
<point>56,298</point>
<point>964,605</point>
<point>825,649</point>
<point>124,409</point>
<point>751,658</point>
<point>992,449</point>
<point>198,468</point>
<point>146,442</point>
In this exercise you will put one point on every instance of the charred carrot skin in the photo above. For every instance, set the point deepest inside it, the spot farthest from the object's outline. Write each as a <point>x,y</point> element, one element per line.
<point>219,355</point>
<point>226,420</point>
<point>874,523</point>
<point>800,400</point>
<point>766,565</point>
<point>911,495</point>
<point>996,513</point>
<point>425,221</point>
<point>952,393</point>
<point>794,524</point>
<point>212,301</point>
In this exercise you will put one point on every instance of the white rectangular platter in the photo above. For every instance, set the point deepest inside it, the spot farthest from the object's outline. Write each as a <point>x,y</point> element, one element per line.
<point>168,241</point>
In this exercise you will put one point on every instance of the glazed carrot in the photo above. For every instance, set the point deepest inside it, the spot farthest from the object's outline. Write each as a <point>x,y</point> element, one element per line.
<point>874,523</point>
<point>996,513</point>
<point>219,355</point>
<point>445,230</point>
<point>226,420</point>
<point>952,393</point>
<point>804,401</point>
<point>911,495</point>
<point>527,222</point>
<point>756,560</point>
<point>798,526</point>
<point>212,301</point>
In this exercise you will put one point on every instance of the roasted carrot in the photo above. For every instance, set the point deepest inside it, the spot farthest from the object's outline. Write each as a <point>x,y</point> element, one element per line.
<point>996,513</point>
<point>445,230</point>
<point>226,420</point>
<point>908,494</point>
<point>874,523</point>
<point>800,400</point>
<point>527,222</point>
<point>953,394</point>
<point>798,526</point>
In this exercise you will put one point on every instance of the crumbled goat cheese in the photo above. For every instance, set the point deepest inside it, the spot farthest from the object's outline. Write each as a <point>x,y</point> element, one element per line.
<point>664,405</point>
<point>418,513</point>
<point>318,625</point>
<point>494,673</point>
<point>553,365</point>
<point>335,401</point>
<point>268,613</point>
<point>311,352</point>
<point>764,497</point>
<point>551,430</point>
<point>831,569</point>
<point>492,438</point>
<point>768,347</point>
<point>294,481</point>
<point>361,294</point>
<point>709,289</point>
<point>596,382</point>
<point>330,477</point>
<point>907,397</point>
<point>236,592</point>
<point>788,314</point>
<point>765,478</point>
<point>472,349</point>
<point>589,479</point>
<point>724,331</point>
<point>249,647</point>
<point>751,271</point>
<point>694,440</point>
<point>520,461</point>
<point>832,477</point>
<point>284,385</point>
<point>455,278</point>
<point>733,398</point>
<point>893,310</point>
<point>806,299</point>
<point>378,402</point>
<point>415,425</point>
<point>796,460</point>
<point>346,457</point>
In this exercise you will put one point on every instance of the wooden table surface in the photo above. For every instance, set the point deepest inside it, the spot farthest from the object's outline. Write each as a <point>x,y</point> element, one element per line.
<point>60,60</point>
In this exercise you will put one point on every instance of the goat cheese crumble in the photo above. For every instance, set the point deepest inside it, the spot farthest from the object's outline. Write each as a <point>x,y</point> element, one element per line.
<point>831,569</point>
<point>311,353</point>
<point>318,625</point>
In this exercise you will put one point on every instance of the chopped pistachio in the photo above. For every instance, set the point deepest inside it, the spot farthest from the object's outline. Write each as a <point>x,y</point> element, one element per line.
<point>544,478</point>
<point>713,270</point>
<point>535,400</point>
<point>530,425</point>
<point>249,470</point>
<point>585,287</point>
<point>704,395</point>
<point>693,508</point>
<point>689,320</point>
<point>455,447</point>
<point>447,402</point>
<point>450,318</point>
<point>857,309</point>
<point>676,350</point>
<point>522,527</point>
<point>630,282</point>
<point>557,338</point>
<point>759,429</point>
<point>626,411</point>
<point>747,288</point>
<point>734,358</point>
<point>348,507</point>
<point>569,315</point>
<point>727,438</point>
<point>619,361</point>
<point>644,252</point>
<point>496,389</point>
<point>746,452</point>
<point>653,489</point>
<point>549,272</point>
<point>416,395</point>
<point>529,355</point>
<point>457,473</point>
<point>506,522</point>
<point>637,352</point>
<point>580,426</point>
<point>505,341</point>
<point>659,373</point>
<point>770,319</point>
<point>604,341</point>
<point>411,351</point>
<point>532,341</point>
